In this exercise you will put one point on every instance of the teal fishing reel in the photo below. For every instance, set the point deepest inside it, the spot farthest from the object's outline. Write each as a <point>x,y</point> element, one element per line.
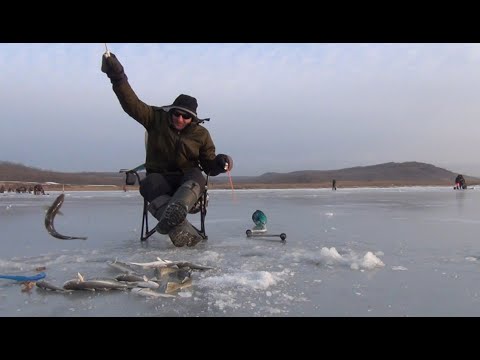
<point>259,219</point>
<point>259,230</point>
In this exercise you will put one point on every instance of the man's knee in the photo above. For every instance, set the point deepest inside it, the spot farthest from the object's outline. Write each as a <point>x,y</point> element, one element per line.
<point>153,186</point>
<point>196,175</point>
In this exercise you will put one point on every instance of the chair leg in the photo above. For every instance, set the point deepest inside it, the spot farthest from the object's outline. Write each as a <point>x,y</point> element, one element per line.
<point>203,213</point>
<point>202,202</point>
<point>204,209</point>
<point>144,221</point>
<point>145,234</point>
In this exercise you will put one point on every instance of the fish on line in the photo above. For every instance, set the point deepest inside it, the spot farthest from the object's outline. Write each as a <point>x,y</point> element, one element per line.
<point>50,217</point>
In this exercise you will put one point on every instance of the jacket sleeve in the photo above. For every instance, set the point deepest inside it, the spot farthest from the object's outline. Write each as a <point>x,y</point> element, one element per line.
<point>132,105</point>
<point>207,157</point>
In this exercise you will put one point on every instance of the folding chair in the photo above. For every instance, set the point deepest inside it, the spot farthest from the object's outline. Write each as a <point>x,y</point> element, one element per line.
<point>132,176</point>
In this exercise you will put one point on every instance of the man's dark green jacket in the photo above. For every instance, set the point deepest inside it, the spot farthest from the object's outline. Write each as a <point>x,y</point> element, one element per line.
<point>168,150</point>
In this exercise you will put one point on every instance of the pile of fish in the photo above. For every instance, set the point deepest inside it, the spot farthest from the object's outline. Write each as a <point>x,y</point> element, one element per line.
<point>168,277</point>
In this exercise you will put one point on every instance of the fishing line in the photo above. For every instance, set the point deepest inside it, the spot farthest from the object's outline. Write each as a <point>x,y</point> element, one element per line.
<point>231,185</point>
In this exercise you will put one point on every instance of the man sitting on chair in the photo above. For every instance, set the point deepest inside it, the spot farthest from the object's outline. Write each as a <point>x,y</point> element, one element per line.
<point>178,149</point>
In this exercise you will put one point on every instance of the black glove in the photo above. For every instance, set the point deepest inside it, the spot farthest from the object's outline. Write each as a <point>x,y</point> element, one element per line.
<point>224,162</point>
<point>112,67</point>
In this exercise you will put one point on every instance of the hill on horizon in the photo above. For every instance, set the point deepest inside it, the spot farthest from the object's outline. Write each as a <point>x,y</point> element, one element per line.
<point>10,172</point>
<point>387,174</point>
<point>404,171</point>
<point>407,173</point>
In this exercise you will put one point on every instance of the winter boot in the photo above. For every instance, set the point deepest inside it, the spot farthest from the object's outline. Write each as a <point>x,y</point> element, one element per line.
<point>184,234</point>
<point>180,204</point>
<point>157,208</point>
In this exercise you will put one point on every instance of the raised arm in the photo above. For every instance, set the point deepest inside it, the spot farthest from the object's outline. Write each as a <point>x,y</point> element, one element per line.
<point>129,101</point>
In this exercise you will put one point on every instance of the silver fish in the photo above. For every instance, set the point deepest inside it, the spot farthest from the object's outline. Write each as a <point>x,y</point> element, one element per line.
<point>94,284</point>
<point>50,216</point>
<point>143,284</point>
<point>154,264</point>
<point>76,284</point>
<point>167,263</point>
<point>131,277</point>
<point>186,264</point>
<point>123,267</point>
<point>105,284</point>
<point>42,284</point>
<point>133,280</point>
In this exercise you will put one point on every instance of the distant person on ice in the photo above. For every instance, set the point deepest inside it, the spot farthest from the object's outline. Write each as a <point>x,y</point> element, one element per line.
<point>460,182</point>
<point>334,184</point>
<point>179,148</point>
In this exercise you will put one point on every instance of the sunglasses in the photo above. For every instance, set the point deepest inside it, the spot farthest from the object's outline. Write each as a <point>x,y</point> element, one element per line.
<point>185,116</point>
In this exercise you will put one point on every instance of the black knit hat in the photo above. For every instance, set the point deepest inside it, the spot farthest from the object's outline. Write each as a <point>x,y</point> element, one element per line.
<point>186,103</point>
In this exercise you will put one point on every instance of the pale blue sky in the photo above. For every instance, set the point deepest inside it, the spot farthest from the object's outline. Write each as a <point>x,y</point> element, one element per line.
<point>273,107</point>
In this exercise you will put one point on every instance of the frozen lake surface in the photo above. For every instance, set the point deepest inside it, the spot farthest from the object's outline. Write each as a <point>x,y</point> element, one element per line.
<point>410,251</point>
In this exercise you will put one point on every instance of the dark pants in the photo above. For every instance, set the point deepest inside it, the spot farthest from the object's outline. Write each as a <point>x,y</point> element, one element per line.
<point>155,185</point>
